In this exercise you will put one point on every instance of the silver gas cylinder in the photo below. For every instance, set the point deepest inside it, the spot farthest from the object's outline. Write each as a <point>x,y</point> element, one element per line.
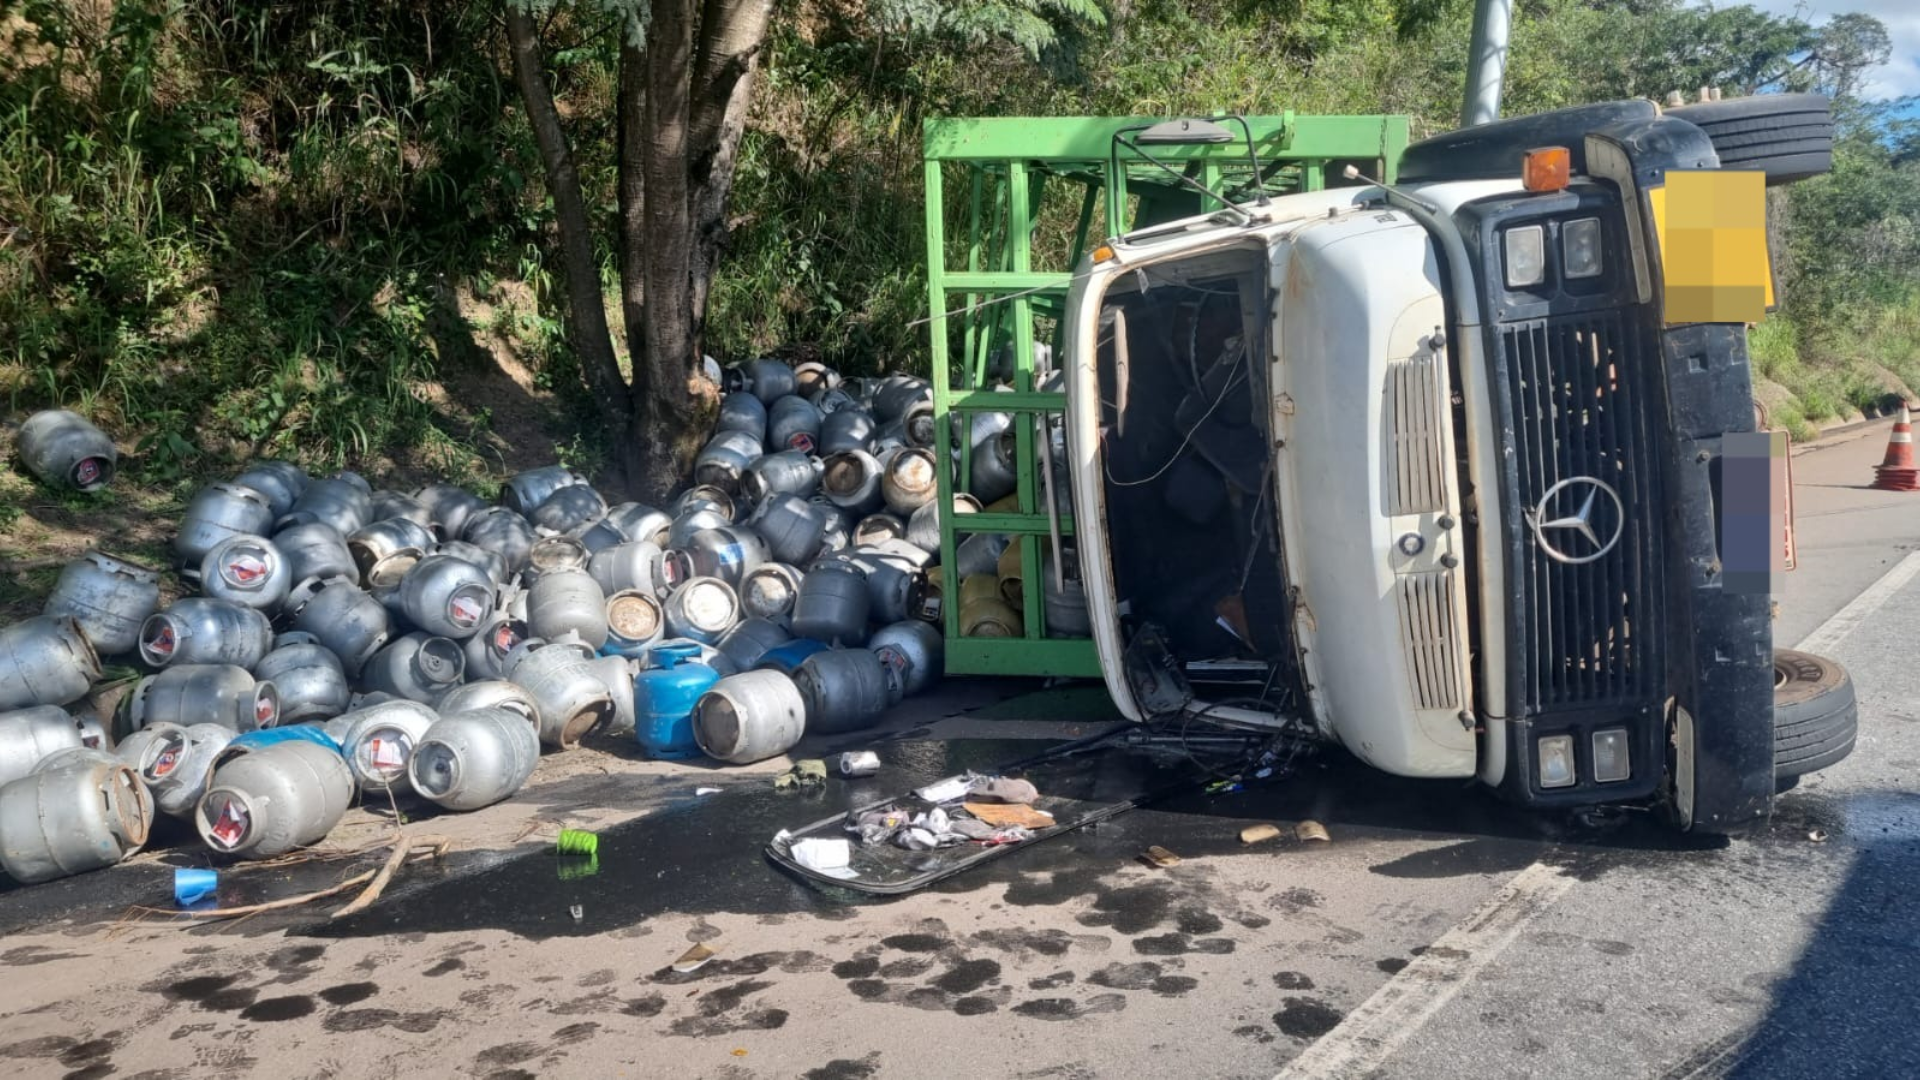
<point>474,759</point>
<point>898,393</point>
<point>175,762</point>
<point>568,602</point>
<point>217,512</point>
<point>490,563</point>
<point>248,570</point>
<point>448,508</point>
<point>487,650</point>
<point>878,529</point>
<point>529,489</point>
<point>308,677</point>
<point>910,481</point>
<point>315,550</point>
<point>789,471</point>
<point>553,553</point>
<point>632,565</point>
<point>492,694</point>
<point>741,411</point>
<point>845,689</point>
<point>769,592</point>
<point>280,481</point>
<point>67,821</point>
<point>727,553</point>
<point>811,378</point>
<point>694,520</point>
<point>342,616</point>
<point>701,609</point>
<point>750,717</point>
<point>384,550</point>
<point>635,620</point>
<point>891,579</point>
<point>706,497</point>
<point>923,528</point>
<point>502,530</point>
<point>793,423</point>
<point>768,380</point>
<point>447,596</point>
<point>625,523</point>
<point>979,553</point>
<point>224,694</point>
<point>274,799</point>
<point>205,630</point>
<point>63,449</point>
<point>108,598</point>
<point>569,510</point>
<point>845,429</point>
<point>335,502</point>
<point>417,666</point>
<point>724,458</point>
<point>379,741</point>
<point>792,527</point>
<point>914,650</point>
<point>571,696</point>
<point>749,640</point>
<point>28,736</point>
<point>386,504</point>
<point>994,474</point>
<point>616,673</point>
<point>851,480</point>
<point>832,605</point>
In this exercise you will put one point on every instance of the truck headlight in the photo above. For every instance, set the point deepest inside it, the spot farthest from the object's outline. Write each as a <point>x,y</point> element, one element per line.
<point>1611,762</point>
<point>1556,761</point>
<point>1526,256</point>
<point>1580,248</point>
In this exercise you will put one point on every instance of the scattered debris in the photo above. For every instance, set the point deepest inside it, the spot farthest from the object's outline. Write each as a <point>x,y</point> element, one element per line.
<point>1254,834</point>
<point>856,763</point>
<point>576,842</point>
<point>805,772</point>
<point>1005,814</point>
<point>695,958</point>
<point>1818,836</point>
<point>194,884</point>
<point>1159,858</point>
<point>1311,830</point>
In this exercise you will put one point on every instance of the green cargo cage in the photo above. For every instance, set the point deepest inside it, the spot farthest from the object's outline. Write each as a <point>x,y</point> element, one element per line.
<point>1025,194</point>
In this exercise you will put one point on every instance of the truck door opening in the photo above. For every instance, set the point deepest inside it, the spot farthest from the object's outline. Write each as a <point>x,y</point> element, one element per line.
<point>1187,465</point>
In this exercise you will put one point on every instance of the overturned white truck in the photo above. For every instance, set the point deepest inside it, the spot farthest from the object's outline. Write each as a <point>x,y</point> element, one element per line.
<point>1434,455</point>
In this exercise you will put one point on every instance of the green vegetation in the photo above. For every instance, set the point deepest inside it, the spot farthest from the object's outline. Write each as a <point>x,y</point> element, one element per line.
<point>311,230</point>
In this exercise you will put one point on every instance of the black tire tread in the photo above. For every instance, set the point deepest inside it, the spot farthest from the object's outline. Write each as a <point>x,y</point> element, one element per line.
<point>1815,715</point>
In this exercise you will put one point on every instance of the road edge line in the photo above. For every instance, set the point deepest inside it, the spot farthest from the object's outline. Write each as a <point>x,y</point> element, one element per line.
<point>1371,1033</point>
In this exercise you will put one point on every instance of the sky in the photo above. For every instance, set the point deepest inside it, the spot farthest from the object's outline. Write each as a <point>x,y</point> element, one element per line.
<point>1900,76</point>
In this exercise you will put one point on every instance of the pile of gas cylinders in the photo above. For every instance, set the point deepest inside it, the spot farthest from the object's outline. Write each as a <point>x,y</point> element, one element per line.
<point>345,642</point>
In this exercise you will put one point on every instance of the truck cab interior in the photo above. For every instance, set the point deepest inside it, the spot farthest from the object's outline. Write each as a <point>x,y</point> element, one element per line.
<point>1193,528</point>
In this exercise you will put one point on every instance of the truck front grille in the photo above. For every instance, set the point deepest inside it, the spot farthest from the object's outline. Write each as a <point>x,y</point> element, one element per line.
<point>1427,627</point>
<point>1583,630</point>
<point>1415,462</point>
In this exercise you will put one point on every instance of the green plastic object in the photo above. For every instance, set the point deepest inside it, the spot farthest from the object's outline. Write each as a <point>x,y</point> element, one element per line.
<point>1013,204</point>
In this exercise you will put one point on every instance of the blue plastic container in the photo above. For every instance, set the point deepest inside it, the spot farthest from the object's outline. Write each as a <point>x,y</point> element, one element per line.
<point>786,658</point>
<point>664,696</point>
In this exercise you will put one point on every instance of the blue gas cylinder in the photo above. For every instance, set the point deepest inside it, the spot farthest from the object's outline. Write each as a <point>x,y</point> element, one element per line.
<point>664,696</point>
<point>785,658</point>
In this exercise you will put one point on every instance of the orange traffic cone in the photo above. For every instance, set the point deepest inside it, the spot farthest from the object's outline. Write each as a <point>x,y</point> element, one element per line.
<point>1899,472</point>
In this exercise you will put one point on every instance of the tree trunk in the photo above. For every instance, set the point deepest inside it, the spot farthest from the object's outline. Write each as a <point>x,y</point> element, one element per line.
<point>732,33</point>
<point>586,305</point>
<point>633,188</point>
<point>671,407</point>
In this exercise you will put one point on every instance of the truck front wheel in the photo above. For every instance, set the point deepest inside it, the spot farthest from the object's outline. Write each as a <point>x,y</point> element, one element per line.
<point>1815,716</point>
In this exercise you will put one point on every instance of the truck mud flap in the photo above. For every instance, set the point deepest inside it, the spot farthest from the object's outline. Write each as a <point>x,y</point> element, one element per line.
<point>1080,783</point>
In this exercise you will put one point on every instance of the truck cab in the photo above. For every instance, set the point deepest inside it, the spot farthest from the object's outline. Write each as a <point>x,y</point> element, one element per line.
<point>1427,470</point>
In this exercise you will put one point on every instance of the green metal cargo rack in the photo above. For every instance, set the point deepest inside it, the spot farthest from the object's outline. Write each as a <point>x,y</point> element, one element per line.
<point>1027,191</point>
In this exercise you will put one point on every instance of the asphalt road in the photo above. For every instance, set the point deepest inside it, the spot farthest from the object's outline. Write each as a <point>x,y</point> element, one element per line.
<point>1435,935</point>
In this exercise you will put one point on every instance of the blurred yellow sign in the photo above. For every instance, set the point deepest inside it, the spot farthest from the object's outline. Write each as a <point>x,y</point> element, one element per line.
<point>1712,229</point>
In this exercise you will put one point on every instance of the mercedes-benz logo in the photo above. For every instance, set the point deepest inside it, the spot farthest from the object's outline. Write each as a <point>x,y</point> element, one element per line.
<point>1575,538</point>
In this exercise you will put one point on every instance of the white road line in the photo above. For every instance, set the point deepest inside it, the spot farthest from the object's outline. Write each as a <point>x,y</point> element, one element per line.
<point>1370,1034</point>
<point>1398,1010</point>
<point>1849,618</point>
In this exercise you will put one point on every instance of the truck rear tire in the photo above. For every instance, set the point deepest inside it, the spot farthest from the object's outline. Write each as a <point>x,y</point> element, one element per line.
<point>1815,716</point>
<point>1787,136</point>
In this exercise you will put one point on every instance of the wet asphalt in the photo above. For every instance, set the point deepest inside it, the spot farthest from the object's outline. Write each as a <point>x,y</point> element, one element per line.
<point>1789,953</point>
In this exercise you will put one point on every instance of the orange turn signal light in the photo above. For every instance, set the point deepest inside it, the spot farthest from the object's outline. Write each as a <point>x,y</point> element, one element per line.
<point>1549,168</point>
<point>1103,253</point>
